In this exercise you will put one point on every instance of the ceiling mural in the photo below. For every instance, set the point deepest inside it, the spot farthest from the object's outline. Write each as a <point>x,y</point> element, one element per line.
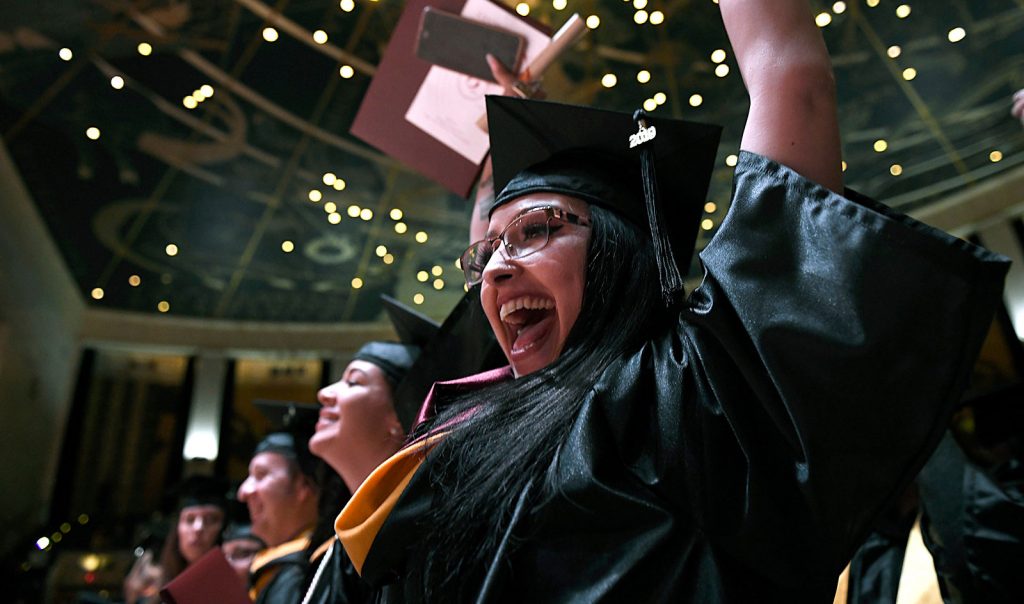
<point>193,158</point>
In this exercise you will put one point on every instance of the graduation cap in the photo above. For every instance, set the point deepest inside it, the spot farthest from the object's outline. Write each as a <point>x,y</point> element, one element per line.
<point>412,327</point>
<point>294,423</point>
<point>430,352</point>
<point>395,359</point>
<point>652,171</point>
<point>202,490</point>
<point>463,345</point>
<point>236,531</point>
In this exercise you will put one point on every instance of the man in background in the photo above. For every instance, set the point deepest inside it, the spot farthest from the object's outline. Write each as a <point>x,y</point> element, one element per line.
<point>282,496</point>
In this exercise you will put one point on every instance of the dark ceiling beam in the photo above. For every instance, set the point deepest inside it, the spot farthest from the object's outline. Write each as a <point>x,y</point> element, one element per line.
<point>116,329</point>
<point>155,198</point>
<point>621,55</point>
<point>987,29</point>
<point>284,183</point>
<point>371,242</point>
<point>964,11</point>
<point>358,31</point>
<point>293,29</point>
<point>233,22</point>
<point>264,104</point>
<point>936,185</point>
<point>37,106</point>
<point>918,103</point>
<point>993,200</point>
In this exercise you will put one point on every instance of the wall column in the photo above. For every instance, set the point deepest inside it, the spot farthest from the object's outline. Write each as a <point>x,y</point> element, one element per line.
<point>202,434</point>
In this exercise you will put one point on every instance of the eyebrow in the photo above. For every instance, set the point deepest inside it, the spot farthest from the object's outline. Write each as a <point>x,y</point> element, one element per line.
<point>350,372</point>
<point>491,234</point>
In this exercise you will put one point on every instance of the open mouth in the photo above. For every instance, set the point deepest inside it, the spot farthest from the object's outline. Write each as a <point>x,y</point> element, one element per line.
<point>529,320</point>
<point>325,421</point>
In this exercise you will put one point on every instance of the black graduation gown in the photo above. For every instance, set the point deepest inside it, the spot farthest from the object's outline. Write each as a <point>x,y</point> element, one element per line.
<point>741,456</point>
<point>970,496</point>
<point>973,525</point>
<point>335,580</point>
<point>876,568</point>
<point>285,576</point>
<point>972,522</point>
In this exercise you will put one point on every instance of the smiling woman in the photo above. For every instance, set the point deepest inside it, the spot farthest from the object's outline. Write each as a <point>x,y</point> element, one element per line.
<point>358,428</point>
<point>201,515</point>
<point>729,445</point>
<point>201,511</point>
<point>532,300</point>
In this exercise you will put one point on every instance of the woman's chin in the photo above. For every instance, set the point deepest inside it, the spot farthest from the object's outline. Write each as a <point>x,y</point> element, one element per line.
<point>193,554</point>
<point>320,442</point>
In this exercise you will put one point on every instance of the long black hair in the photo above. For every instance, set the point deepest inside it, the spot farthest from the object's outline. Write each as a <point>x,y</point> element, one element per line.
<point>482,468</point>
<point>333,496</point>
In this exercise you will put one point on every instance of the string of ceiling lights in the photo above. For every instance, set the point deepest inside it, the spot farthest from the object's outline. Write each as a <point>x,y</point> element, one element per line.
<point>351,65</point>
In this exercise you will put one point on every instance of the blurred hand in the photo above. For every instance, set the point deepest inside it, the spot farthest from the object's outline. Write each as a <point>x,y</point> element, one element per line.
<point>511,83</point>
<point>1018,105</point>
<point>144,580</point>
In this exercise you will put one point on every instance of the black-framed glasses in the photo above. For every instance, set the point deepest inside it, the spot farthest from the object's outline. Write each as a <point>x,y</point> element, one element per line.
<point>527,233</point>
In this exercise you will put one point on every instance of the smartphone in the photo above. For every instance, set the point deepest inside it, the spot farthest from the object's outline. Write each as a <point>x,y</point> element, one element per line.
<point>455,42</point>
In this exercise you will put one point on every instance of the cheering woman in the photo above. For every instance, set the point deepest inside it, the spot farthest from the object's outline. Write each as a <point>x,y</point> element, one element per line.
<point>731,444</point>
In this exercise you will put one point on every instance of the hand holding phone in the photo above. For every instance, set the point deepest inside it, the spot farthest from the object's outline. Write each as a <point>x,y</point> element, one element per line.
<point>455,42</point>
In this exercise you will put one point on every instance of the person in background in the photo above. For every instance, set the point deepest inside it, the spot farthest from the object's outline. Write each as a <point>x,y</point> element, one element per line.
<point>364,416</point>
<point>970,501</point>
<point>282,495</point>
<point>240,546</point>
<point>358,428</point>
<point>195,530</point>
<point>198,525</point>
<point>1018,106</point>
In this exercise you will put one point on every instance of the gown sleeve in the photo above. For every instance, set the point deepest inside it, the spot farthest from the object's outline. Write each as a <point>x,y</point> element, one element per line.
<point>821,358</point>
<point>287,586</point>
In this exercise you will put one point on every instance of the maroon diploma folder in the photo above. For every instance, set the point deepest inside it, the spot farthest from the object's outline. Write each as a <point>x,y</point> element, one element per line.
<point>381,121</point>
<point>209,580</point>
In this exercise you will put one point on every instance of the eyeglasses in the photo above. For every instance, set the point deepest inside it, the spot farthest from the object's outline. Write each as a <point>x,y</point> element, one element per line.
<point>528,233</point>
<point>237,554</point>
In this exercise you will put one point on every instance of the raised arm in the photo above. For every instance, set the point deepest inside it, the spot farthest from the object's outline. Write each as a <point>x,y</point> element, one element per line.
<point>1018,105</point>
<point>788,74</point>
<point>484,196</point>
<point>482,203</point>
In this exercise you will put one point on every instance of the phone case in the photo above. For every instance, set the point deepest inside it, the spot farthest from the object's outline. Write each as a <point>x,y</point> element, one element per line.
<point>461,44</point>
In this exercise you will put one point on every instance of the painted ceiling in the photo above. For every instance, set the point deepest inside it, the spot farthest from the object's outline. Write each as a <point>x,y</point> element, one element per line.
<point>188,160</point>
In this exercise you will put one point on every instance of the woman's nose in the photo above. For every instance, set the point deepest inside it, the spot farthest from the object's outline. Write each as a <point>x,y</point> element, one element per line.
<point>499,266</point>
<point>327,395</point>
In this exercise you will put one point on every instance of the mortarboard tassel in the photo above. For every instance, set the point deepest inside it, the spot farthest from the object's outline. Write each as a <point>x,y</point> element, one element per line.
<point>668,272</point>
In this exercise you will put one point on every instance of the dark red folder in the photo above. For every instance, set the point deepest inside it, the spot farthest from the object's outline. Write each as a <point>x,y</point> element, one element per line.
<point>381,118</point>
<point>209,580</point>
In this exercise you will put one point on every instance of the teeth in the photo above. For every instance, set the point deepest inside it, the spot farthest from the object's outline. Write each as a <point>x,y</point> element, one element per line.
<point>528,302</point>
